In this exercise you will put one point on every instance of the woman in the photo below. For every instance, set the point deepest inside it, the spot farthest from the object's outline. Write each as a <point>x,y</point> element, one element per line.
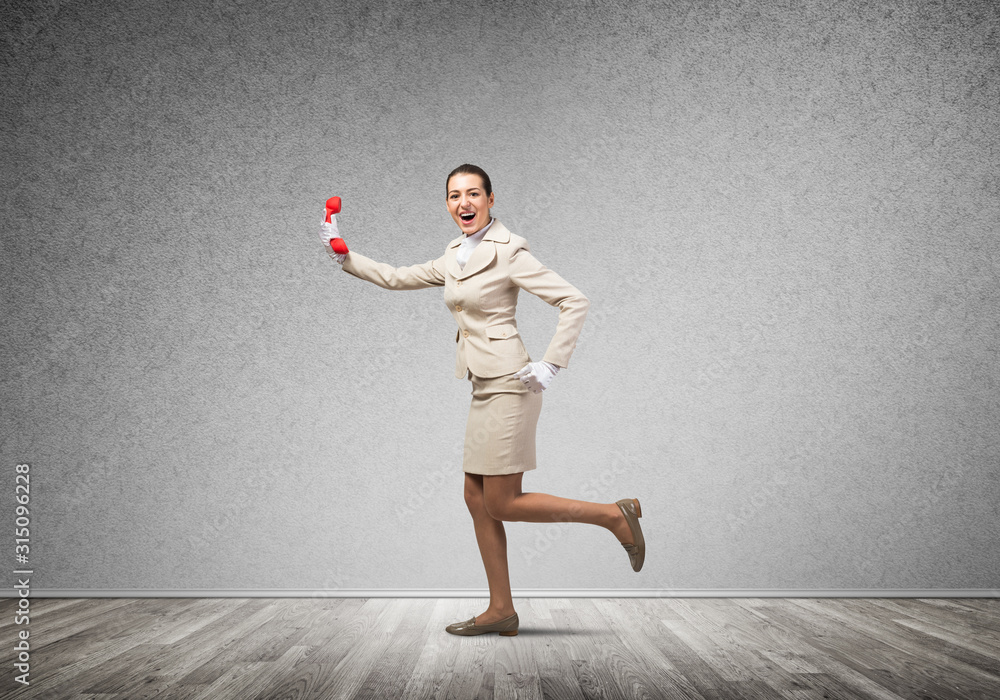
<point>482,272</point>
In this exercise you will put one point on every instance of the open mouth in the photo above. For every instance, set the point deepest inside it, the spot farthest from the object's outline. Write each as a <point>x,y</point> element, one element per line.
<point>467,218</point>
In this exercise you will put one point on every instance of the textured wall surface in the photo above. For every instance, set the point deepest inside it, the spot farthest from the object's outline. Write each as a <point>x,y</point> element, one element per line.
<point>785,215</point>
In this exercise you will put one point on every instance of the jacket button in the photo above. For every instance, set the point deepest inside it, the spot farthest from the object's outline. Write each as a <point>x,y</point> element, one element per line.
<point>457,307</point>
<point>465,334</point>
<point>504,334</point>
<point>458,283</point>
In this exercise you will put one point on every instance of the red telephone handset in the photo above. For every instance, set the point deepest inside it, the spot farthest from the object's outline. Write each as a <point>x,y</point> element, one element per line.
<point>333,207</point>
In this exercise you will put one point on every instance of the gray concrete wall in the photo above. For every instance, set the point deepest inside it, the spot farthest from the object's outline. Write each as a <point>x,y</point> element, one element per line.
<point>785,215</point>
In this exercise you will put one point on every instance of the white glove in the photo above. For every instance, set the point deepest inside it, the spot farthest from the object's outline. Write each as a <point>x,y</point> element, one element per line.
<point>327,232</point>
<point>537,375</point>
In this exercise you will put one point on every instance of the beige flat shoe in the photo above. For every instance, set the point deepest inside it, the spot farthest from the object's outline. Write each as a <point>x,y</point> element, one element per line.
<point>507,627</point>
<point>637,547</point>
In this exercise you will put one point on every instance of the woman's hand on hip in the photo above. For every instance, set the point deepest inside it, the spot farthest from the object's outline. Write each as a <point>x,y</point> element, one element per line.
<point>537,375</point>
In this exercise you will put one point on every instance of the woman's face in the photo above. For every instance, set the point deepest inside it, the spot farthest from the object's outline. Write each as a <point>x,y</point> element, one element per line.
<point>468,203</point>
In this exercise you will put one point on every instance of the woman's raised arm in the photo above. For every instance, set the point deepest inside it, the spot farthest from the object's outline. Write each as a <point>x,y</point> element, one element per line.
<point>429,274</point>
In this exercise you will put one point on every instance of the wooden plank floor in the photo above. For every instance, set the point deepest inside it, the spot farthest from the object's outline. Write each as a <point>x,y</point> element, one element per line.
<point>714,648</point>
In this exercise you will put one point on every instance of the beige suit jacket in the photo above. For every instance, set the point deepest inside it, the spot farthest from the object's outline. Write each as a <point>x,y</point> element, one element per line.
<point>482,297</point>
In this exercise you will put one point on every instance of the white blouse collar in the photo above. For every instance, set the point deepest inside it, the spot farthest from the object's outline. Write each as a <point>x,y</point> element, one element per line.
<point>478,235</point>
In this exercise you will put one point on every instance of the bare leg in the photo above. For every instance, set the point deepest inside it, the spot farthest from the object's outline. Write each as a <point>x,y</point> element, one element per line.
<point>505,501</point>
<point>493,548</point>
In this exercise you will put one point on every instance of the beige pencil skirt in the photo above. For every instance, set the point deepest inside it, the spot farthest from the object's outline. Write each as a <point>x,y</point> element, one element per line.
<point>500,432</point>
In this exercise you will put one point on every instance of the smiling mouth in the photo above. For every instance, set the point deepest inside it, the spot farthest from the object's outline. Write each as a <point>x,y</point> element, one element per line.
<point>467,218</point>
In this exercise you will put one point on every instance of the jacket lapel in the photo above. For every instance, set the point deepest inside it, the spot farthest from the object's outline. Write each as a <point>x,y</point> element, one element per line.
<point>451,259</point>
<point>482,256</point>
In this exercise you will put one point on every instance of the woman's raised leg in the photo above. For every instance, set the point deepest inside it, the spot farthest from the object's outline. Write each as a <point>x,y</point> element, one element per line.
<point>504,500</point>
